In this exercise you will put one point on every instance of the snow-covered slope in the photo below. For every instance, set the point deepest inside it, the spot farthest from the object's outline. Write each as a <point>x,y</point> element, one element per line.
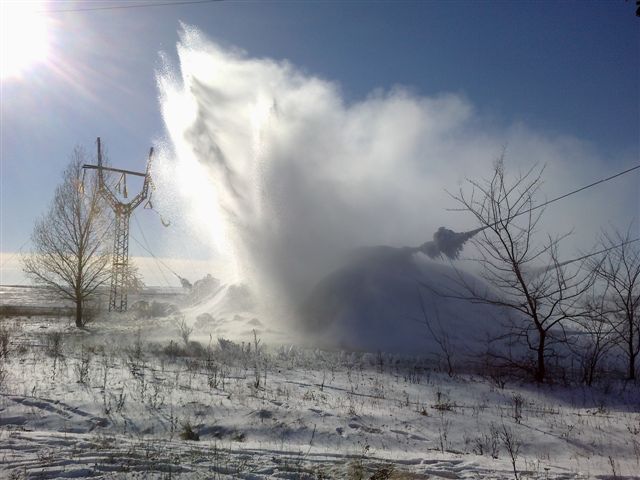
<point>375,303</point>
<point>383,299</point>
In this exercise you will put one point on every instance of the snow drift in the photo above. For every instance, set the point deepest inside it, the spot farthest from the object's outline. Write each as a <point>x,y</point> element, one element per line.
<point>393,300</point>
<point>382,299</point>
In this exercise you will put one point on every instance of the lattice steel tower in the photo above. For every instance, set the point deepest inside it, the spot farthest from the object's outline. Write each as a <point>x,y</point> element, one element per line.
<point>122,212</point>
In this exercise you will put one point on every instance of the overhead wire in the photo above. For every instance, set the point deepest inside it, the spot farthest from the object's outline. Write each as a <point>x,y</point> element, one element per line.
<point>148,250</point>
<point>453,241</point>
<point>123,7</point>
<point>593,184</point>
<point>599,252</point>
<point>560,197</point>
<point>183,281</point>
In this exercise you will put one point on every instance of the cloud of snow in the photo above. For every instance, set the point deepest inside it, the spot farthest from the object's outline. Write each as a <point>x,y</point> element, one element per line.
<point>281,174</point>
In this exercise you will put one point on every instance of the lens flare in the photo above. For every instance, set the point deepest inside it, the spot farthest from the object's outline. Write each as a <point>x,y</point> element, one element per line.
<point>24,37</point>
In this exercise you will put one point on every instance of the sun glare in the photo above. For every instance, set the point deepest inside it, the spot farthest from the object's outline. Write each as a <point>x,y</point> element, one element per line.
<point>24,39</point>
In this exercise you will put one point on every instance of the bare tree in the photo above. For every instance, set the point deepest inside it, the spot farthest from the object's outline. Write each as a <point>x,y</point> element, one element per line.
<point>70,254</point>
<point>439,334</point>
<point>134,281</point>
<point>597,337</point>
<point>619,274</point>
<point>521,275</point>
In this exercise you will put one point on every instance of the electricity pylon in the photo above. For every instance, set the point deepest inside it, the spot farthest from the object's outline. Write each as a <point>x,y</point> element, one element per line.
<point>122,212</point>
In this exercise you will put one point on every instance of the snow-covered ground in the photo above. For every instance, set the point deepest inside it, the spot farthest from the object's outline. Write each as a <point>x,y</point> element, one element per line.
<point>127,397</point>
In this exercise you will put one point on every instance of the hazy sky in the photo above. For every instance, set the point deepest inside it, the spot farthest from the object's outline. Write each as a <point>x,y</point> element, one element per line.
<point>557,69</point>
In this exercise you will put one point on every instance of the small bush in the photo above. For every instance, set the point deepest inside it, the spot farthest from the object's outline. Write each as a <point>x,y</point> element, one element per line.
<point>518,403</point>
<point>53,344</point>
<point>135,350</point>
<point>173,350</point>
<point>383,473</point>
<point>3,373</point>
<point>195,349</point>
<point>5,339</point>
<point>188,433</point>
<point>82,367</point>
<point>184,330</point>
<point>443,402</point>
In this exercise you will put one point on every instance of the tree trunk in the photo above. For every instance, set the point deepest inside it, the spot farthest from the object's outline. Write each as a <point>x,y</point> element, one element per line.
<point>540,370</point>
<point>79,323</point>
<point>632,354</point>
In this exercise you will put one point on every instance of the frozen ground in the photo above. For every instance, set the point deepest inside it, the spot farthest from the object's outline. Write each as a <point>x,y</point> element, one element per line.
<point>126,398</point>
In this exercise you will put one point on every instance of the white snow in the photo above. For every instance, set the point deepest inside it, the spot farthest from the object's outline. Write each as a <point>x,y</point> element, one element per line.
<point>115,400</point>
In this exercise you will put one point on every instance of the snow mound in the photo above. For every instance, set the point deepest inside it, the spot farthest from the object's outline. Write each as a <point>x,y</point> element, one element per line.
<point>216,308</point>
<point>225,300</point>
<point>375,303</point>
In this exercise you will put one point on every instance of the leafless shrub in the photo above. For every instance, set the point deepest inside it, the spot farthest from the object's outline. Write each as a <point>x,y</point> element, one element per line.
<point>357,469</point>
<point>439,334</point>
<point>82,366</point>
<point>518,403</point>
<point>618,275</point>
<point>3,372</point>
<point>512,444</point>
<point>173,350</point>
<point>188,432</point>
<point>185,330</point>
<point>5,341</point>
<point>488,443</point>
<point>213,372</point>
<point>443,431</point>
<point>443,402</point>
<point>614,467</point>
<point>135,351</point>
<point>156,398</point>
<point>256,361</point>
<point>53,344</point>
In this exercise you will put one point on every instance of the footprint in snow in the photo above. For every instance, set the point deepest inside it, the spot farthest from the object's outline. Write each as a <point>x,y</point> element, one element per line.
<point>364,428</point>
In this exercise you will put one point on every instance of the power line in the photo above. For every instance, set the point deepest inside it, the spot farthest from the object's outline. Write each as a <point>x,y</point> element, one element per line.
<point>452,242</point>
<point>548,202</point>
<point>148,250</point>
<point>583,257</point>
<point>598,182</point>
<point>183,281</point>
<point>122,7</point>
<point>593,184</point>
<point>157,264</point>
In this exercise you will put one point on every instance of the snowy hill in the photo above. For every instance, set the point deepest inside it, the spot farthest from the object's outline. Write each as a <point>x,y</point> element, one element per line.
<point>375,303</point>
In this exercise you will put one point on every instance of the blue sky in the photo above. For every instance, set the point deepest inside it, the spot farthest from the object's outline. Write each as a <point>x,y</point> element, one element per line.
<point>560,68</point>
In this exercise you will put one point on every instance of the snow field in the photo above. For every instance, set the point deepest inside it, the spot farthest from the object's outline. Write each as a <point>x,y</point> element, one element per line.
<point>83,406</point>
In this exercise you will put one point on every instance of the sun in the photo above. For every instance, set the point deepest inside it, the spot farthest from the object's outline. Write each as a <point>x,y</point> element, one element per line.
<point>24,36</point>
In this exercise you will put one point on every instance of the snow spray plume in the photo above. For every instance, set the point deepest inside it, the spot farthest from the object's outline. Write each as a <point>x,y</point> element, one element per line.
<point>286,178</point>
<point>446,242</point>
